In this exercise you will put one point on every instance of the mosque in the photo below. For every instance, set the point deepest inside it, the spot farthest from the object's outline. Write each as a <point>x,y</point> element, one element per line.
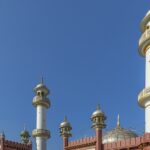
<point>117,139</point>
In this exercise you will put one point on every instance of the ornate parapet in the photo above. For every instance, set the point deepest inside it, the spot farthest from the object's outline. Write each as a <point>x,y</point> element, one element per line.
<point>133,143</point>
<point>141,142</point>
<point>84,142</point>
<point>8,145</point>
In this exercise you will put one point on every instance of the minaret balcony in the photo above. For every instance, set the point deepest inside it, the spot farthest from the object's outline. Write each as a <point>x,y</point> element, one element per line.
<point>41,133</point>
<point>143,96</point>
<point>43,101</point>
<point>144,42</point>
<point>98,125</point>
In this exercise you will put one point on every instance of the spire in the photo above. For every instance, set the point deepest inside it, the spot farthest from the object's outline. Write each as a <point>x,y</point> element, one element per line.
<point>65,119</point>
<point>42,80</point>
<point>118,121</point>
<point>98,107</point>
<point>24,127</point>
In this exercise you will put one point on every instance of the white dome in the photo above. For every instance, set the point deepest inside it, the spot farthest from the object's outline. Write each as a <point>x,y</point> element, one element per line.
<point>118,134</point>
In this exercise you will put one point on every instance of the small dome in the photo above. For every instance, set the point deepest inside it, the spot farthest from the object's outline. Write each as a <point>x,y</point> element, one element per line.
<point>25,133</point>
<point>118,134</point>
<point>65,124</point>
<point>41,87</point>
<point>98,112</point>
<point>25,136</point>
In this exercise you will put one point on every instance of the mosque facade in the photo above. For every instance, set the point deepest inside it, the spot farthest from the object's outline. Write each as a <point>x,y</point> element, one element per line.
<point>117,139</point>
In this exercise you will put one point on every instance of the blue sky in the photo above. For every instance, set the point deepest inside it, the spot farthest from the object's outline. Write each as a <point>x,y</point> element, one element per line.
<point>87,52</point>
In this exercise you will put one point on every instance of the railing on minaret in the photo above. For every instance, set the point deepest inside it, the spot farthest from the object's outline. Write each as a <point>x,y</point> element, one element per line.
<point>144,50</point>
<point>41,102</point>
<point>65,128</point>
<point>98,118</point>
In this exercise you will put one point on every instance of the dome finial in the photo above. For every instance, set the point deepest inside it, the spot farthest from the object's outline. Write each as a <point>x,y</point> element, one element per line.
<point>98,107</point>
<point>118,121</point>
<point>65,119</point>
<point>42,80</point>
<point>24,127</point>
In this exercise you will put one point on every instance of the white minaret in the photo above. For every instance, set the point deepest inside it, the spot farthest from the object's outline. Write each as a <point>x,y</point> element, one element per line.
<point>41,102</point>
<point>144,50</point>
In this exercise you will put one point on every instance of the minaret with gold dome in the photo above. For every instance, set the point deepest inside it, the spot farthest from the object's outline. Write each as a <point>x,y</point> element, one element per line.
<point>65,132</point>
<point>144,50</point>
<point>98,123</point>
<point>42,103</point>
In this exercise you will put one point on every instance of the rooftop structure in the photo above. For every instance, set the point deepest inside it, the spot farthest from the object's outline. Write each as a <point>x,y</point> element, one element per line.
<point>41,102</point>
<point>121,138</point>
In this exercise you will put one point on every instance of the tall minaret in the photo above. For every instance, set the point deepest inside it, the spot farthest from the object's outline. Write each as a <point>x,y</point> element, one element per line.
<point>41,102</point>
<point>144,50</point>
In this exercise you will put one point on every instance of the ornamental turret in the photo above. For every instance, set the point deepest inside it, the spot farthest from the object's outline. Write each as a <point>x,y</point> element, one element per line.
<point>144,50</point>
<point>65,132</point>
<point>42,103</point>
<point>98,123</point>
<point>98,118</point>
<point>25,137</point>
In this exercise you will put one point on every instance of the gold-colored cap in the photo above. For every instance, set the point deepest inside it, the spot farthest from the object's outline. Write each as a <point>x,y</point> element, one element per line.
<point>65,128</point>
<point>98,118</point>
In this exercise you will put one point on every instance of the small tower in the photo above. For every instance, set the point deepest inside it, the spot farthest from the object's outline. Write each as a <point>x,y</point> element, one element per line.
<point>42,103</point>
<point>144,50</point>
<point>65,129</point>
<point>25,136</point>
<point>98,118</point>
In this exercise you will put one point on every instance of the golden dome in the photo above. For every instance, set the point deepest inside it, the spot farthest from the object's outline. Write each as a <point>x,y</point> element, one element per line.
<point>41,89</point>
<point>97,113</point>
<point>118,134</point>
<point>65,124</point>
<point>98,118</point>
<point>65,128</point>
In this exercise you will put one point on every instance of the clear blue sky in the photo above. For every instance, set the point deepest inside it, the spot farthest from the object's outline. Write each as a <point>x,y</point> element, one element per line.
<point>87,51</point>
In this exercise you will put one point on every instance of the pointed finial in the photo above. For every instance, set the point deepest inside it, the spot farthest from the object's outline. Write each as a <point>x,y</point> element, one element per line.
<point>118,121</point>
<point>24,126</point>
<point>98,107</point>
<point>65,119</point>
<point>42,80</point>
